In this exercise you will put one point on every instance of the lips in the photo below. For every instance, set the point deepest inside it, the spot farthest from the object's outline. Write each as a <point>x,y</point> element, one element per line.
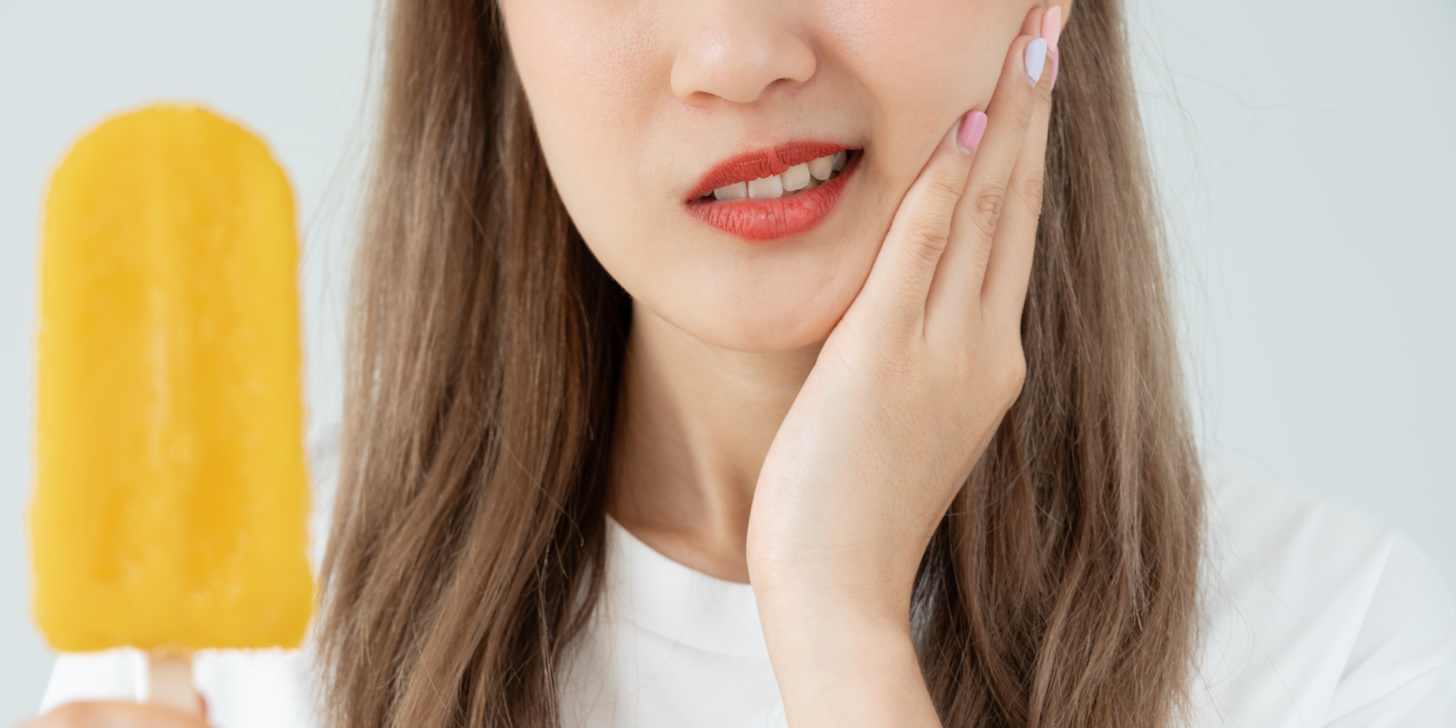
<point>761,163</point>
<point>773,218</point>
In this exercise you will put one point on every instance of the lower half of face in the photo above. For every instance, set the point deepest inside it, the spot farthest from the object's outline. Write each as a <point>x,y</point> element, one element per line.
<point>635,103</point>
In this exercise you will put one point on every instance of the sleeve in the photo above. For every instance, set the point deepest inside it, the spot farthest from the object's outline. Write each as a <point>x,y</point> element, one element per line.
<point>108,675</point>
<point>1401,670</point>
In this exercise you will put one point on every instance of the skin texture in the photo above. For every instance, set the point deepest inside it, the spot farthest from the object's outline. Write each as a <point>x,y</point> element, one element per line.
<point>633,102</point>
<point>116,714</point>
<point>796,415</point>
<point>907,393</point>
<point>799,415</point>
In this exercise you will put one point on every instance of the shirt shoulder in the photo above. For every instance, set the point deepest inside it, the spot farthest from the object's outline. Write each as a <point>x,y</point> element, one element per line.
<point>1316,613</point>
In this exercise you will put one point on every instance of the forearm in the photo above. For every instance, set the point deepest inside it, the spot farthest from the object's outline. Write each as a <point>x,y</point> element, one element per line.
<point>842,668</point>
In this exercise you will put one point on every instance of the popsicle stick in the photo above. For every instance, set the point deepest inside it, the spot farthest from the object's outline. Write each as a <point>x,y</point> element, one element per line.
<point>169,681</point>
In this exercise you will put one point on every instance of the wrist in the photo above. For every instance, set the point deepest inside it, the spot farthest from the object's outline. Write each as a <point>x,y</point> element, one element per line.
<point>847,596</point>
<point>841,664</point>
<point>820,614</point>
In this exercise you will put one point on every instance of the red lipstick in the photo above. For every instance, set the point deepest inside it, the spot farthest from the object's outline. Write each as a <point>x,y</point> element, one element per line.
<point>762,220</point>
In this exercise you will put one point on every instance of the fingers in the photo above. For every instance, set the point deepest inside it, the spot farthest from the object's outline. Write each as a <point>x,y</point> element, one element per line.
<point>1008,272</point>
<point>900,279</point>
<point>988,199</point>
<point>114,714</point>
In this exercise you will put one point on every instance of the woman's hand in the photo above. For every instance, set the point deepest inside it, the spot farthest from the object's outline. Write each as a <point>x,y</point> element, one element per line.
<point>119,714</point>
<point>906,394</point>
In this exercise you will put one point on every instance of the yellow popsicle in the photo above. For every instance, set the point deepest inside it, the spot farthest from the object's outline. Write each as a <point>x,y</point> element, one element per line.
<point>171,494</point>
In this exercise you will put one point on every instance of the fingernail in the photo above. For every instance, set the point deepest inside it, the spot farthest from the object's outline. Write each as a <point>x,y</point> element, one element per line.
<point>1051,26</point>
<point>973,127</point>
<point>1036,53</point>
<point>1056,65</point>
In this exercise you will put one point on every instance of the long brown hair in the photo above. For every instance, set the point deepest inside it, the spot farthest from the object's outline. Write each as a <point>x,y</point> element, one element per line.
<point>485,349</point>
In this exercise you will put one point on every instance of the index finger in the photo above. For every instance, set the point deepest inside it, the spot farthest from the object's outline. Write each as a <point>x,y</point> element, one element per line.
<point>902,272</point>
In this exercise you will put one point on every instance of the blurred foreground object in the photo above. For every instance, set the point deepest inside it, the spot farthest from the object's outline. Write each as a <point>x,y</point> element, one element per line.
<point>171,495</point>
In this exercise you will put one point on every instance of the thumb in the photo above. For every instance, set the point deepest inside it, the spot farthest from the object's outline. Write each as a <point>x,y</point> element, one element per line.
<point>899,282</point>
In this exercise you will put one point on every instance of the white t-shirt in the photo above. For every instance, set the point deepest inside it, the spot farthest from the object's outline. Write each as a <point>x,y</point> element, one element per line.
<point>1316,615</point>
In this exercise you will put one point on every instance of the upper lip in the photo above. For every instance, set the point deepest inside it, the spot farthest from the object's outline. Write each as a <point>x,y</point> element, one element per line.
<point>760,163</point>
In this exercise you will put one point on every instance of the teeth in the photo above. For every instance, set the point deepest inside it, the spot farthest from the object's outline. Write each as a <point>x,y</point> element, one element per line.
<point>822,167</point>
<point>766,188</point>
<point>735,191</point>
<point>795,179</point>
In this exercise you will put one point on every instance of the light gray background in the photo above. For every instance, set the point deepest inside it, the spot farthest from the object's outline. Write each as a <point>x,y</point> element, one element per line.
<point>1304,154</point>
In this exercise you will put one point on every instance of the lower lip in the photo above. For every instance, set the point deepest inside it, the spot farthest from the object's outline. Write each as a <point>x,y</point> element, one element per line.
<point>765,220</point>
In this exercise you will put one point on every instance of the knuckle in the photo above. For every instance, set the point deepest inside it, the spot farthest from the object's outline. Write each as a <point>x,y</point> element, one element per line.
<point>1013,375</point>
<point>887,360</point>
<point>900,364</point>
<point>1044,87</point>
<point>1032,189</point>
<point>966,368</point>
<point>1024,111</point>
<point>945,187</point>
<point>987,203</point>
<point>924,237</point>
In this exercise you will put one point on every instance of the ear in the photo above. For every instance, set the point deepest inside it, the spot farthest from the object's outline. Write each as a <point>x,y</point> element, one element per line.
<point>1066,10</point>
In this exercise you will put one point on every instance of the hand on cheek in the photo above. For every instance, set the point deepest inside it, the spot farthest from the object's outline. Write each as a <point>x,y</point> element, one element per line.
<point>914,380</point>
<point>905,395</point>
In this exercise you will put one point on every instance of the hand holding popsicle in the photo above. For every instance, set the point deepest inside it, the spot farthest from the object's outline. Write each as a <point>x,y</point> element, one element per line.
<point>907,392</point>
<point>117,714</point>
<point>171,492</point>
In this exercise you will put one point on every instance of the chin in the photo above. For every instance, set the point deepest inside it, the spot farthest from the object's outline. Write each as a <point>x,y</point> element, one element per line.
<point>764,324</point>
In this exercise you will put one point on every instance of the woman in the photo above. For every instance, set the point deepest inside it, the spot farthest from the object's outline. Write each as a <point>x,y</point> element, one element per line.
<point>622,447</point>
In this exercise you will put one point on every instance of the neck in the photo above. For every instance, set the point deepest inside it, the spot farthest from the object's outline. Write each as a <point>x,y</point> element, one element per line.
<point>694,424</point>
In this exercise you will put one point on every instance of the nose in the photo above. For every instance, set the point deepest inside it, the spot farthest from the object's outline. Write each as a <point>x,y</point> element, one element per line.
<point>735,50</point>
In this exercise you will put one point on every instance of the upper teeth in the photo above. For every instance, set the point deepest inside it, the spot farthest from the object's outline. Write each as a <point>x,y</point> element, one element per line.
<point>793,179</point>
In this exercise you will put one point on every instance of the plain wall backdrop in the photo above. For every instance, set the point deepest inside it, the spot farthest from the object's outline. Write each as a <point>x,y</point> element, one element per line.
<point>1303,153</point>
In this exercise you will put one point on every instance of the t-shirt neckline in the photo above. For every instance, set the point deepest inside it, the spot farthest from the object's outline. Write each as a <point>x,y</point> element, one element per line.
<point>678,602</point>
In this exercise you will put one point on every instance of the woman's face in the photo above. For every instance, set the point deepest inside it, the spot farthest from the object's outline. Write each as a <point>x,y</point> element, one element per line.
<point>635,100</point>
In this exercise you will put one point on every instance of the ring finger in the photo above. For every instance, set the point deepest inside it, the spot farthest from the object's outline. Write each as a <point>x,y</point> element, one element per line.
<point>956,289</point>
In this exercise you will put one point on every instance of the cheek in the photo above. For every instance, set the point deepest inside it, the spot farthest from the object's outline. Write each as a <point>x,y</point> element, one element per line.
<point>588,85</point>
<point>597,85</point>
<point>923,63</point>
<point>614,139</point>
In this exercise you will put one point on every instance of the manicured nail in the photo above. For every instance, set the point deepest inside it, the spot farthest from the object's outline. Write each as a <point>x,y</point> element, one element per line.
<point>1056,65</point>
<point>973,127</point>
<point>1036,53</point>
<point>1051,26</point>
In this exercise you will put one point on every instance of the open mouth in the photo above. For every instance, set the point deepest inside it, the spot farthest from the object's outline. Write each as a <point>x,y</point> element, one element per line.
<point>791,212</point>
<point>793,181</point>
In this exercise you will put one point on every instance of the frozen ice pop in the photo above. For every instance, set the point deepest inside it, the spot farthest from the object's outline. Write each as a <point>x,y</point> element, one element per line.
<point>171,494</point>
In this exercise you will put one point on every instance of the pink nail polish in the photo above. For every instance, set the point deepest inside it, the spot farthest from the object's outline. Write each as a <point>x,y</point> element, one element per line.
<point>973,127</point>
<point>1056,64</point>
<point>1051,25</point>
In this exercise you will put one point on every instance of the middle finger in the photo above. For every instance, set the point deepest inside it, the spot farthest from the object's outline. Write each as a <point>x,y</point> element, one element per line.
<point>956,288</point>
